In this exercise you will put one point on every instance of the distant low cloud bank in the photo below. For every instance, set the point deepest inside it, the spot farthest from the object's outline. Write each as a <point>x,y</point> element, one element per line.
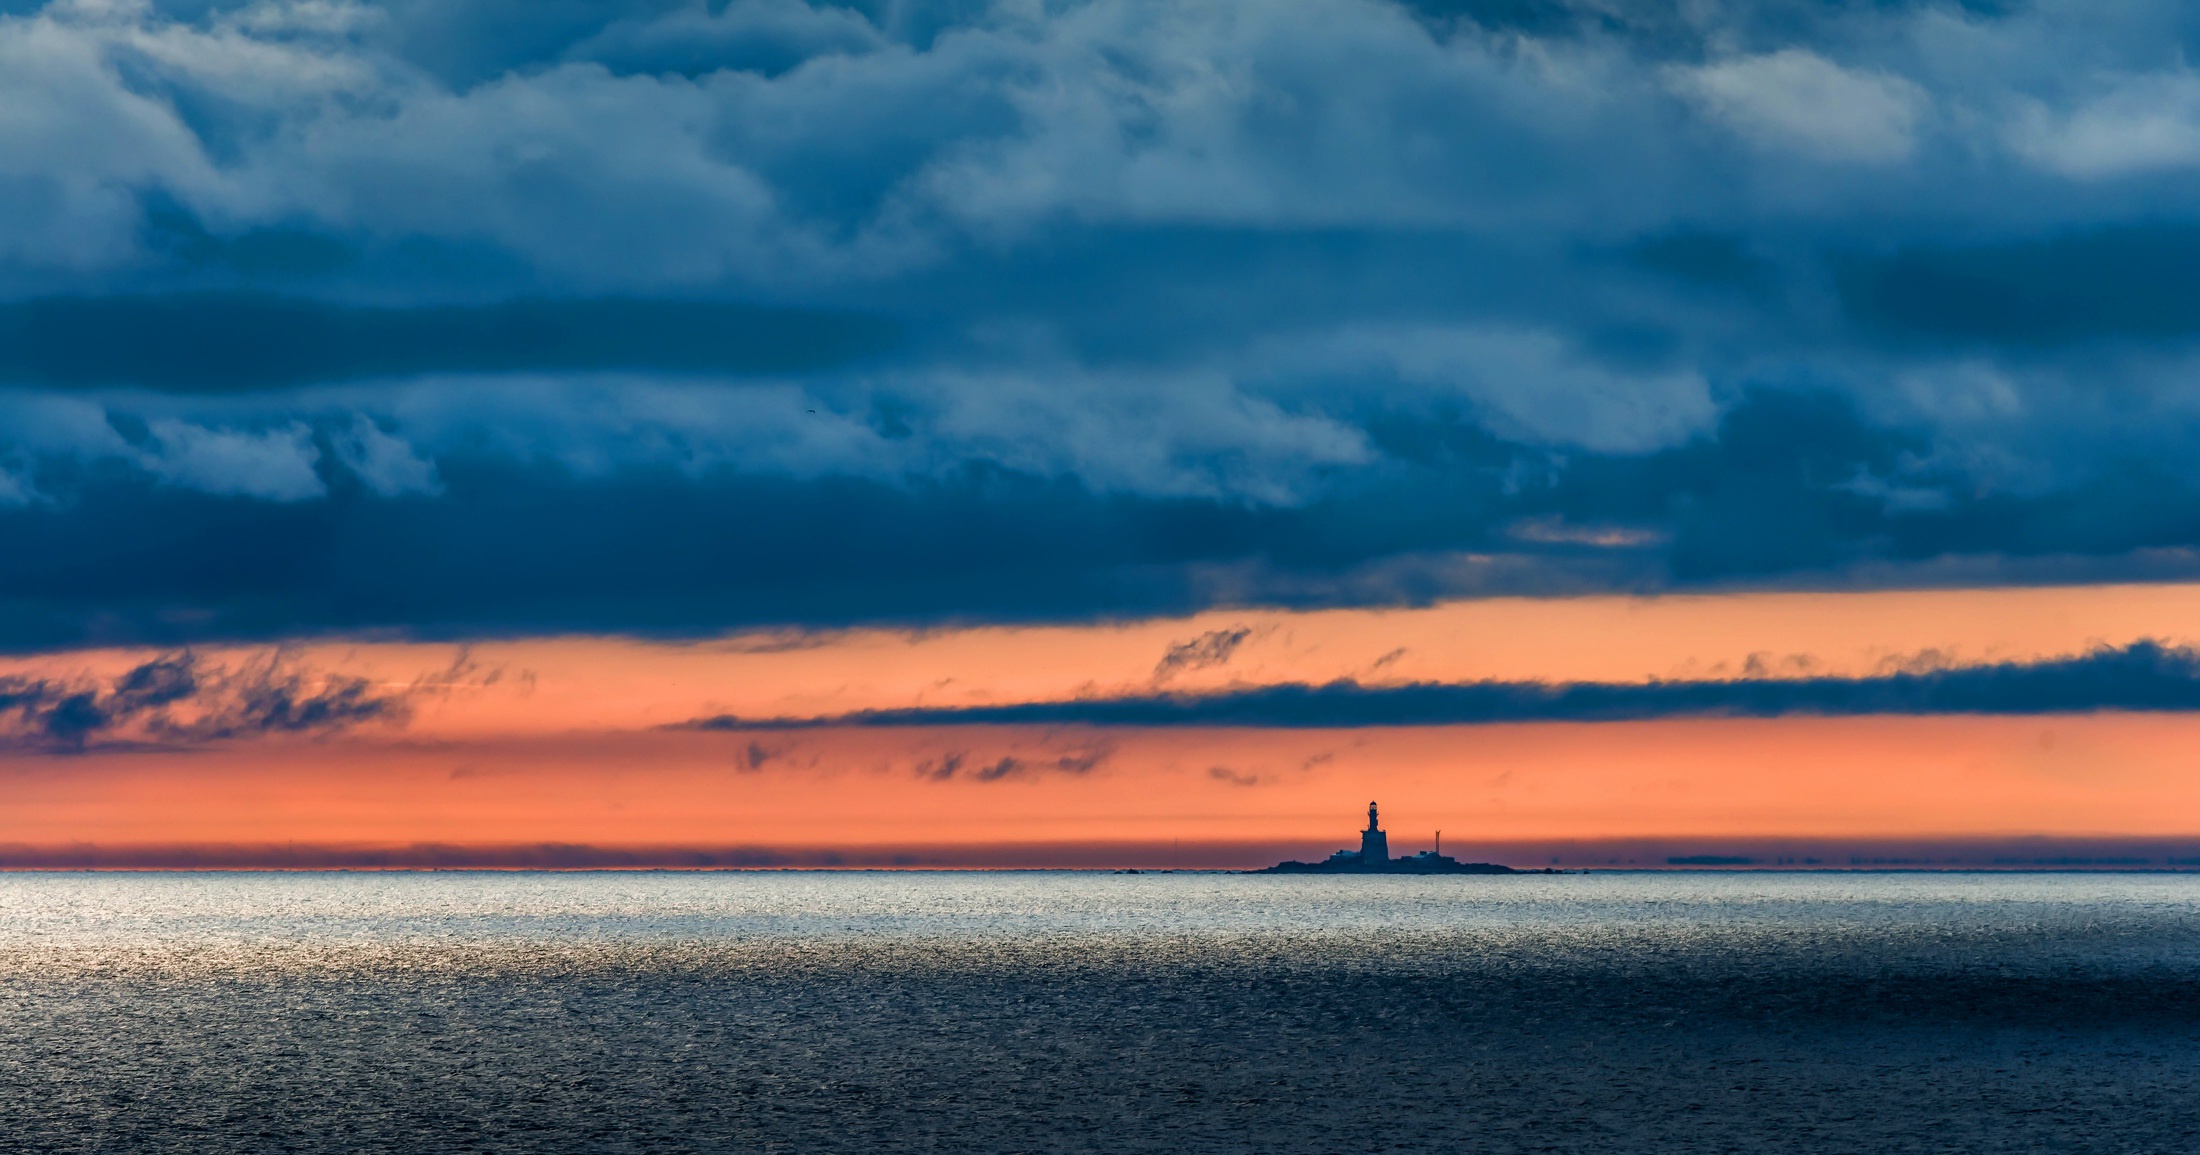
<point>2144,676</point>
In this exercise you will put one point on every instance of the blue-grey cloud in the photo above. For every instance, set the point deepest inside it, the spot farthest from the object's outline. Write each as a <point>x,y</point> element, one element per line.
<point>2144,676</point>
<point>663,315</point>
<point>183,699</point>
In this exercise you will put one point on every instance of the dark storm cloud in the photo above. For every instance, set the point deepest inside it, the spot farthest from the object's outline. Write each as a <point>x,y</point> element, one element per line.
<point>479,316</point>
<point>2145,676</point>
<point>219,343</point>
<point>2135,282</point>
<point>1784,486</point>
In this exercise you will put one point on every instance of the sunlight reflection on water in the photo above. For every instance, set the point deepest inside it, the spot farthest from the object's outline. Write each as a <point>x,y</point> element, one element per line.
<point>1021,1011</point>
<point>125,911</point>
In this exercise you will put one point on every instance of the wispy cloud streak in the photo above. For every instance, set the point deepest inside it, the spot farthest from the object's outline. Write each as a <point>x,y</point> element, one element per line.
<point>184,699</point>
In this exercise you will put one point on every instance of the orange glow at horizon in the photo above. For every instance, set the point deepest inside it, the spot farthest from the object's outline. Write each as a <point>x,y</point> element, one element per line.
<point>2087,775</point>
<point>566,742</point>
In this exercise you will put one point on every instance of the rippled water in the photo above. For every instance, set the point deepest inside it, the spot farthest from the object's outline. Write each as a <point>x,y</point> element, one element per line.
<point>1019,1012</point>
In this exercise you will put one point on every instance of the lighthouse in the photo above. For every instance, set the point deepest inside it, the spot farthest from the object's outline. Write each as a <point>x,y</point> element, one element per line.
<point>1374,844</point>
<point>1373,857</point>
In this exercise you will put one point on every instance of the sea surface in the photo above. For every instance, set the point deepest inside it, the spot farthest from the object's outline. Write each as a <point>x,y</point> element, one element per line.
<point>982,1012</point>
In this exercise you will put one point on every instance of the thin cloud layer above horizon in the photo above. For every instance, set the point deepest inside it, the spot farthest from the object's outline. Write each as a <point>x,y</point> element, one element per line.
<point>479,318</point>
<point>2144,676</point>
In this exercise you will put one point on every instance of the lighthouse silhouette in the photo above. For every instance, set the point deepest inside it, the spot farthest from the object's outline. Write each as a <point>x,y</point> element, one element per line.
<point>1374,844</point>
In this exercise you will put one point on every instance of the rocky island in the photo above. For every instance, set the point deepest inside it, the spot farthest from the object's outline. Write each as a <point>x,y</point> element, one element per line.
<point>1373,857</point>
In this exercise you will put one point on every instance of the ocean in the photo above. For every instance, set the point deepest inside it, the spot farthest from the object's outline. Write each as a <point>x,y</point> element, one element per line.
<point>1186,1012</point>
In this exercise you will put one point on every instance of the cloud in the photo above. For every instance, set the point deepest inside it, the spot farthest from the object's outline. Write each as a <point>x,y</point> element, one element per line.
<point>272,464</point>
<point>182,699</point>
<point>241,342</point>
<point>966,766</point>
<point>547,546</point>
<point>757,754</point>
<point>1525,385</point>
<point>764,36</point>
<point>386,465</point>
<point>1213,648</point>
<point>463,318</point>
<point>779,144</point>
<point>1796,99</point>
<point>2144,676</point>
<point>75,142</point>
<point>2122,282</point>
<point>2142,124</point>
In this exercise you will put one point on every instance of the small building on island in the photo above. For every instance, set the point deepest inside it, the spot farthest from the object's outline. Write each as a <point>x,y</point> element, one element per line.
<point>1373,857</point>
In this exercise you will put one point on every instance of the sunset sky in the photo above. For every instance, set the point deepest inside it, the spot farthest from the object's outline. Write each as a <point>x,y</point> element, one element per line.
<point>1097,433</point>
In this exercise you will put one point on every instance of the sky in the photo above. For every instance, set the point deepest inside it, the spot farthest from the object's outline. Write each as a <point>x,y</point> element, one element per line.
<point>1096,433</point>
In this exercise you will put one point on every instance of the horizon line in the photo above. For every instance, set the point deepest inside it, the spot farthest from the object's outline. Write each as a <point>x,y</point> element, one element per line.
<point>1739,852</point>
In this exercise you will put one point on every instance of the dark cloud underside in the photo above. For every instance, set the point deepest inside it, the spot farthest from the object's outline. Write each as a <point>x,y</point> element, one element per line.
<point>219,343</point>
<point>501,550</point>
<point>2139,282</point>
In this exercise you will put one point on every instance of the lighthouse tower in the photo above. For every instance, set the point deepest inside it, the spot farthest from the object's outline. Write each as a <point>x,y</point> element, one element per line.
<point>1374,844</point>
